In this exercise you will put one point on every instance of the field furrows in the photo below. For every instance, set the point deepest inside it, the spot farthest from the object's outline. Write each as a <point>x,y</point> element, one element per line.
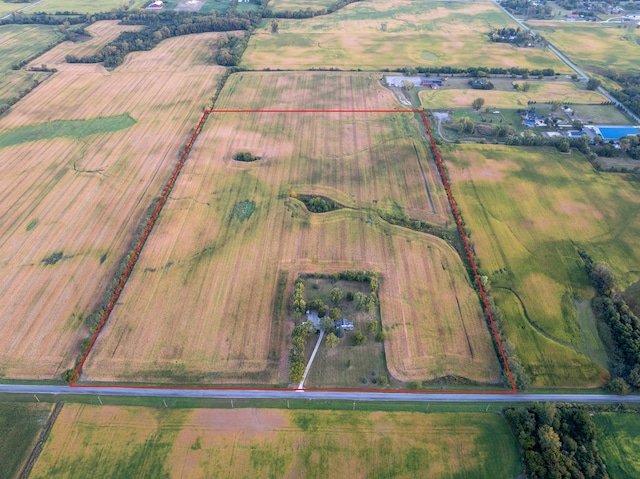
<point>199,304</point>
<point>101,33</point>
<point>77,199</point>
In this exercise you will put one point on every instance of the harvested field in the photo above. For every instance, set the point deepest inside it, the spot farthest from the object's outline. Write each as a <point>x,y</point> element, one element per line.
<point>416,33</point>
<point>125,442</point>
<point>76,200</point>
<point>594,45</point>
<point>540,92</point>
<point>200,302</point>
<point>528,211</point>
<point>101,33</point>
<point>14,50</point>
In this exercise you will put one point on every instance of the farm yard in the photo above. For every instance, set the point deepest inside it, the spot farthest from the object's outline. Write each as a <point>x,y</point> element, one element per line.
<point>528,212</point>
<point>505,96</point>
<point>82,160</point>
<point>414,33</point>
<point>125,442</point>
<point>200,302</point>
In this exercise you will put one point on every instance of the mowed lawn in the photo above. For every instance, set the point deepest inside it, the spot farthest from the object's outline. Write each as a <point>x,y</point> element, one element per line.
<point>415,33</point>
<point>201,302</point>
<point>540,92</point>
<point>619,443</point>
<point>81,159</point>
<point>594,45</point>
<point>20,423</point>
<point>528,211</point>
<point>125,442</point>
<point>19,43</point>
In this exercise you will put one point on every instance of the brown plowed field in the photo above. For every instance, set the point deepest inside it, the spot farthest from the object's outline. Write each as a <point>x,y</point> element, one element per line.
<point>200,303</point>
<point>84,195</point>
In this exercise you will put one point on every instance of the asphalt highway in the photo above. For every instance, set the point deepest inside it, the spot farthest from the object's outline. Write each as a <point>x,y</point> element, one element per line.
<point>314,394</point>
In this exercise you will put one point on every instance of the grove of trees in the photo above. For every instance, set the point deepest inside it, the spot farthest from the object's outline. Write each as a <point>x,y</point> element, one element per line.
<point>557,441</point>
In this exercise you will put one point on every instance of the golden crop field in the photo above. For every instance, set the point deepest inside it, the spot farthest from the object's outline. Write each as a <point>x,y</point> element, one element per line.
<point>125,442</point>
<point>200,302</point>
<point>414,33</point>
<point>81,158</point>
<point>528,211</point>
<point>101,33</point>
<point>540,92</point>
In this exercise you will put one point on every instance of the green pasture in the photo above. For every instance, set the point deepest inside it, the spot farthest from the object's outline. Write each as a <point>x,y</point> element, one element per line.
<point>68,128</point>
<point>86,6</point>
<point>392,35</point>
<point>595,45</point>
<point>20,423</point>
<point>619,443</point>
<point>295,5</point>
<point>528,211</point>
<point>305,443</point>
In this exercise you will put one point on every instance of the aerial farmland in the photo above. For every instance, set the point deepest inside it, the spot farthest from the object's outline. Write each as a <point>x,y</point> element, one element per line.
<point>269,238</point>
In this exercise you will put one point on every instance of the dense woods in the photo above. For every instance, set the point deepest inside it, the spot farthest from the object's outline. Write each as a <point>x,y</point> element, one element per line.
<point>557,441</point>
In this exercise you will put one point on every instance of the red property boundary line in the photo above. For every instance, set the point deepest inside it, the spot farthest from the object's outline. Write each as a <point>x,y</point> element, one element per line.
<point>163,199</point>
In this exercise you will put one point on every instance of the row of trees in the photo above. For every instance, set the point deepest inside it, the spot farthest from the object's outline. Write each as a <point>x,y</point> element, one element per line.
<point>297,361</point>
<point>476,71</point>
<point>308,12</point>
<point>557,441</point>
<point>230,51</point>
<point>166,25</point>
<point>623,324</point>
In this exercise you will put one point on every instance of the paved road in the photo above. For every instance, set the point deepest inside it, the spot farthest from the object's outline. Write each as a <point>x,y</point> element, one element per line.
<point>571,65</point>
<point>321,395</point>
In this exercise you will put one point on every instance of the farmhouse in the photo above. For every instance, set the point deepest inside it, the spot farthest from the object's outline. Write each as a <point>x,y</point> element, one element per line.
<point>531,119</point>
<point>157,5</point>
<point>344,324</point>
<point>418,81</point>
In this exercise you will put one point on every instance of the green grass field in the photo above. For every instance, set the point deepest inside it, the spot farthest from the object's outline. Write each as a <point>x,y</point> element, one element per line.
<point>135,442</point>
<point>619,443</point>
<point>415,33</point>
<point>20,423</point>
<point>14,49</point>
<point>594,45</point>
<point>294,5</point>
<point>528,211</point>
<point>68,128</point>
<point>85,6</point>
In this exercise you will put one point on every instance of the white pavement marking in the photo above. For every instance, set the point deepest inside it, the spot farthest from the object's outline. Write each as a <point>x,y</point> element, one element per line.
<point>313,355</point>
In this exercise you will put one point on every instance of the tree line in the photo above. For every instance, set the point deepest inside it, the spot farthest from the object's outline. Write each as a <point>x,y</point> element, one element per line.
<point>163,25</point>
<point>476,71</point>
<point>623,324</point>
<point>557,441</point>
<point>308,12</point>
